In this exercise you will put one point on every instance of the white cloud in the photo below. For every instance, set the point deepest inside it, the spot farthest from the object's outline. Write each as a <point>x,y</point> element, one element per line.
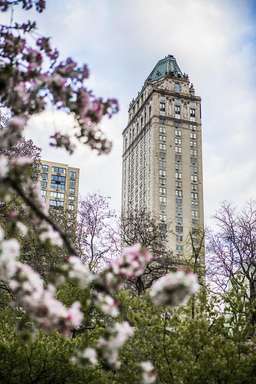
<point>212,41</point>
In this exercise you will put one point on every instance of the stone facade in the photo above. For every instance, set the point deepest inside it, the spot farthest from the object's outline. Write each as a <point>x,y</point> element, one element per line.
<point>162,154</point>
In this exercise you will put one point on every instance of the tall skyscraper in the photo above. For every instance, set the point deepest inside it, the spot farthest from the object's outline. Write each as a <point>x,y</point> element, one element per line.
<point>162,154</point>
<point>59,185</point>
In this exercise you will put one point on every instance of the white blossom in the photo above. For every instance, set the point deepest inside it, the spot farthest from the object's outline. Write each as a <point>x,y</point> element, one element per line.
<point>79,271</point>
<point>30,293</point>
<point>120,333</point>
<point>148,372</point>
<point>107,304</point>
<point>9,252</point>
<point>50,234</point>
<point>22,161</point>
<point>90,354</point>
<point>1,234</point>
<point>175,288</point>
<point>4,166</point>
<point>22,228</point>
<point>132,262</point>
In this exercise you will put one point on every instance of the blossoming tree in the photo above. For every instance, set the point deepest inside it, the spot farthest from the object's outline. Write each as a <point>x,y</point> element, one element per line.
<point>31,78</point>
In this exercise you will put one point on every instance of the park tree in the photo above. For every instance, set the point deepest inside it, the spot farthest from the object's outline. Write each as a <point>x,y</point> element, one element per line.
<point>142,228</point>
<point>232,255</point>
<point>97,236</point>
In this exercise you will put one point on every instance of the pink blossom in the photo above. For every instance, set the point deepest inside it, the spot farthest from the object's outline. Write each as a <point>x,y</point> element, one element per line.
<point>132,262</point>
<point>110,347</point>
<point>74,315</point>
<point>148,372</point>
<point>22,161</point>
<point>175,288</point>
<point>16,123</point>
<point>79,272</point>
<point>50,234</point>
<point>4,166</point>
<point>107,304</point>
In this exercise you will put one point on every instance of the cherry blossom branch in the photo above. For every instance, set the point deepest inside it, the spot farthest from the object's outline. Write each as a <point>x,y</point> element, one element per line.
<point>16,187</point>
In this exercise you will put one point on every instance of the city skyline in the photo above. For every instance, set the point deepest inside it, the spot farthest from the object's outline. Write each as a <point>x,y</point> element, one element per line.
<point>212,50</point>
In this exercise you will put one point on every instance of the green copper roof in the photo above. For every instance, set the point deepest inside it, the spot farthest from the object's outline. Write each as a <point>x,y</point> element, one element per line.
<point>166,66</point>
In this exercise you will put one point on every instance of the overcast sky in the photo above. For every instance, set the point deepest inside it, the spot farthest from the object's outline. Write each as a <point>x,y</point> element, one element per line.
<point>121,41</point>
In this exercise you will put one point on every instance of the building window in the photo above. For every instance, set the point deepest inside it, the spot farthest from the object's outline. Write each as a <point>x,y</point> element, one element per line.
<point>162,191</point>
<point>179,238</point>
<point>43,184</point>
<point>179,248</point>
<point>177,132</point>
<point>45,168</point>
<point>59,170</point>
<point>178,166</point>
<point>177,87</point>
<point>192,112</point>
<point>56,203</point>
<point>194,195</point>
<point>162,199</point>
<point>179,192</point>
<point>44,176</point>
<point>162,217</point>
<point>192,135</point>
<point>162,164</point>
<point>162,172</point>
<point>193,152</point>
<point>194,214</point>
<point>162,138</point>
<point>72,183</point>
<point>162,181</point>
<point>43,193</point>
<point>179,229</point>
<point>194,203</point>
<point>193,143</point>
<point>194,178</point>
<point>58,182</point>
<point>57,195</point>
<point>177,141</point>
<point>194,187</point>
<point>178,157</point>
<point>193,128</point>
<point>178,149</point>
<point>162,106</point>
<point>162,146</point>
<point>178,175</point>
<point>177,111</point>
<point>194,170</point>
<point>162,129</point>
<point>178,184</point>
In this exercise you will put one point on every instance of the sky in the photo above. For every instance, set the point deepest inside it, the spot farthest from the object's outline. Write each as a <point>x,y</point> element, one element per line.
<point>214,41</point>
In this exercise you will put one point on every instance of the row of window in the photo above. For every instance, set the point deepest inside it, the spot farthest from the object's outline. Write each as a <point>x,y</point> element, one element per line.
<point>60,204</point>
<point>177,110</point>
<point>58,170</point>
